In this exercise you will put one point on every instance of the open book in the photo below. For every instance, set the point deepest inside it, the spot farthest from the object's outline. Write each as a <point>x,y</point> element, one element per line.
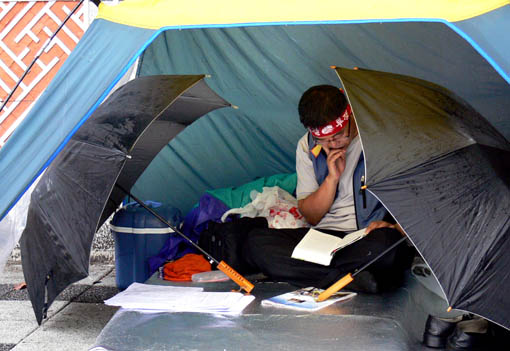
<point>304,299</point>
<point>318,247</point>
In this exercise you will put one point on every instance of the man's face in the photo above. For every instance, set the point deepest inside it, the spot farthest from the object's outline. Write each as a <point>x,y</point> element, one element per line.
<point>340,140</point>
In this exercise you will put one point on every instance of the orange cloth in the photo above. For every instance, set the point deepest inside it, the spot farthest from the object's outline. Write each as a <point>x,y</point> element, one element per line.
<point>183,268</point>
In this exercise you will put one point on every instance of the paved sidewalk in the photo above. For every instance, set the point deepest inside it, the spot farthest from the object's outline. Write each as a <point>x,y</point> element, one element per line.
<point>74,319</point>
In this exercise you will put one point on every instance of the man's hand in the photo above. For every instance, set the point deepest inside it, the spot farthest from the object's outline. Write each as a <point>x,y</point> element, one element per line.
<point>382,224</point>
<point>335,161</point>
<point>318,203</point>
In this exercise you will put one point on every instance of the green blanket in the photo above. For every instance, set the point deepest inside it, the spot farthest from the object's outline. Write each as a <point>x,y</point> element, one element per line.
<point>240,196</point>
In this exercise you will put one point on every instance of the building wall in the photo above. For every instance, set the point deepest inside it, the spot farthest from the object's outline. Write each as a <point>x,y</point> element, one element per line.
<point>25,28</point>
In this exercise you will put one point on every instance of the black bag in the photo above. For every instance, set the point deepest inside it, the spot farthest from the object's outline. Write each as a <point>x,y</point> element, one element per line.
<point>224,241</point>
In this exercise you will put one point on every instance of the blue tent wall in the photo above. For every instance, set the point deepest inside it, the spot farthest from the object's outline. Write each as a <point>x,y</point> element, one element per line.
<point>265,69</point>
<point>91,71</point>
<point>489,32</point>
<point>259,138</point>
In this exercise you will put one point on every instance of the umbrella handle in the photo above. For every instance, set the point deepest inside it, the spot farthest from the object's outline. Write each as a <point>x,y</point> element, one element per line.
<point>350,277</point>
<point>335,287</point>
<point>236,277</point>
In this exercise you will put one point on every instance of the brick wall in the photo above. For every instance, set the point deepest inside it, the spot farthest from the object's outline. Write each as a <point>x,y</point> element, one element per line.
<point>25,28</point>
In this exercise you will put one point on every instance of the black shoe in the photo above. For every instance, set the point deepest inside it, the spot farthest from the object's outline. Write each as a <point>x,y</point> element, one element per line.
<point>364,282</point>
<point>470,335</point>
<point>437,331</point>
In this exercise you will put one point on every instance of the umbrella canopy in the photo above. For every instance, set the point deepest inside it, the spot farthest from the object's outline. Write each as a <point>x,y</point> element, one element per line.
<point>444,173</point>
<point>77,193</point>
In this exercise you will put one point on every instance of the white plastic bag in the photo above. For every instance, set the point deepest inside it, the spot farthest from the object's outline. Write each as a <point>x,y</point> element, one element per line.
<point>12,226</point>
<point>276,205</point>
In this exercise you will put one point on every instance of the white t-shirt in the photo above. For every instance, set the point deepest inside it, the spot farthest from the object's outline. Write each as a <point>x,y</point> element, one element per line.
<point>342,215</point>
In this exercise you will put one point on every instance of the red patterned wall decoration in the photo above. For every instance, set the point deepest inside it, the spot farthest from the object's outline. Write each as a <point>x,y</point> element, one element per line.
<point>25,28</point>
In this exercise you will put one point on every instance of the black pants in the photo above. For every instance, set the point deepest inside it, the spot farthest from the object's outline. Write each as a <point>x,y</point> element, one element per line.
<point>270,250</point>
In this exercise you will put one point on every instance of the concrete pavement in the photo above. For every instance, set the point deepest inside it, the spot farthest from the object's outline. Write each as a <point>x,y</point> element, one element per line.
<point>74,319</point>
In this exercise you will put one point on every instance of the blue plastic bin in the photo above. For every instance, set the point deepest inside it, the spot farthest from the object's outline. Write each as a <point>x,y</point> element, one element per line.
<point>139,235</point>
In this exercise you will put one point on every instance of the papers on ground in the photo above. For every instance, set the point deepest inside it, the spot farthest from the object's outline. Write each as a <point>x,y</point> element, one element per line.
<point>318,247</point>
<point>161,298</point>
<point>304,299</point>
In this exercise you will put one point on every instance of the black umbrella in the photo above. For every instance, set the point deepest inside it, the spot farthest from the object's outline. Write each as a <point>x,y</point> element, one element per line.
<point>444,173</point>
<point>77,193</point>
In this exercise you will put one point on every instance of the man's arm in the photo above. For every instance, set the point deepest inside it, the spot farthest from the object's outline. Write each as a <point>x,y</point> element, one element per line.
<point>318,203</point>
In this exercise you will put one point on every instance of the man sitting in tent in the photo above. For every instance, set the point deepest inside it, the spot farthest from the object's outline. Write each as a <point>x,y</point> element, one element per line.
<point>330,171</point>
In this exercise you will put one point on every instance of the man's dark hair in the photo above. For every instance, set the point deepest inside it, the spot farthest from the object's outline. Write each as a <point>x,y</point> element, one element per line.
<point>320,105</point>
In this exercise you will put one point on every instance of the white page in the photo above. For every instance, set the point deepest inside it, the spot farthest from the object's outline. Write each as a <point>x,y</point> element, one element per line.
<point>159,298</point>
<point>318,247</point>
<point>138,293</point>
<point>235,308</point>
<point>351,238</point>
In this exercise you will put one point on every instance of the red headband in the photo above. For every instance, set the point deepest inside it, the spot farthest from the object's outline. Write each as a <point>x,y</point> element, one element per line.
<point>334,126</point>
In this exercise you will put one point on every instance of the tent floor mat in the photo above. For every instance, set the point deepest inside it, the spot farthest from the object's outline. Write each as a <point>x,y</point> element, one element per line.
<point>387,321</point>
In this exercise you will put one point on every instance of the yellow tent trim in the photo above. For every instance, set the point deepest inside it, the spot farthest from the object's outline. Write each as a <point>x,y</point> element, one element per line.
<point>155,14</point>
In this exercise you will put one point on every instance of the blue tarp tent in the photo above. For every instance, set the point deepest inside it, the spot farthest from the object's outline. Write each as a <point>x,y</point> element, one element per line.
<point>260,56</point>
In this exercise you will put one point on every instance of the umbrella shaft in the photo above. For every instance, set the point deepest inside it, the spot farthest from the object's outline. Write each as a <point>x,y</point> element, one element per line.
<point>380,255</point>
<point>155,214</point>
